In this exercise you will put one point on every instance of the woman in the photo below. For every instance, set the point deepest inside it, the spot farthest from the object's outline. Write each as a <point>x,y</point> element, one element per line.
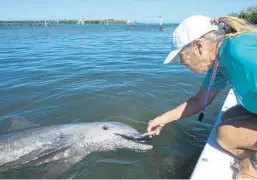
<point>228,50</point>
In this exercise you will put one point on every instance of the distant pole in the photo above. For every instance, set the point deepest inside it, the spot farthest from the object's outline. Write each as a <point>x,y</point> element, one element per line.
<point>83,28</point>
<point>107,24</point>
<point>46,31</point>
<point>161,23</point>
<point>146,25</point>
<point>128,25</point>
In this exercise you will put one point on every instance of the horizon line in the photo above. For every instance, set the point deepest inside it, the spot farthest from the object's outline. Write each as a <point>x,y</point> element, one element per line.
<point>81,19</point>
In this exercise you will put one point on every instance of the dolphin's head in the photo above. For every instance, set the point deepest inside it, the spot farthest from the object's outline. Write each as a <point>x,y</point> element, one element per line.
<point>105,136</point>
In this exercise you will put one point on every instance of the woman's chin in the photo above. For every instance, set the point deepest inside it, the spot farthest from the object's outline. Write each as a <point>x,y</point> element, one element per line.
<point>197,71</point>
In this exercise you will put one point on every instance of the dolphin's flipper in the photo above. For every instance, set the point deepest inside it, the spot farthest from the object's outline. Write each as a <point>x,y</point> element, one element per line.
<point>56,169</point>
<point>22,160</point>
<point>39,156</point>
<point>49,155</point>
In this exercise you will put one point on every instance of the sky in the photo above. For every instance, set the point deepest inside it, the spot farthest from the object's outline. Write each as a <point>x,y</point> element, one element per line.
<point>172,11</point>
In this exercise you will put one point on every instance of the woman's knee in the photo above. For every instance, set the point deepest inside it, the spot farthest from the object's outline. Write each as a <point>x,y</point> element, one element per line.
<point>226,136</point>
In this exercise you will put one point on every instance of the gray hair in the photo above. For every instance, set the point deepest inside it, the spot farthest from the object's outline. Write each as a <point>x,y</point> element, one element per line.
<point>214,36</point>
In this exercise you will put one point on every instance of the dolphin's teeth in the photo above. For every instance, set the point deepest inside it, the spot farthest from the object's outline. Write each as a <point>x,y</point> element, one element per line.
<point>136,137</point>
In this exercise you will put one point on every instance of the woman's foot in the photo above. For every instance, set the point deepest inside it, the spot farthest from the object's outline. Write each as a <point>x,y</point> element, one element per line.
<point>246,168</point>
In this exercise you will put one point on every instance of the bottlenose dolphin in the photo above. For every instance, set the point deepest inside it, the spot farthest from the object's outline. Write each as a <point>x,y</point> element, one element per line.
<point>69,142</point>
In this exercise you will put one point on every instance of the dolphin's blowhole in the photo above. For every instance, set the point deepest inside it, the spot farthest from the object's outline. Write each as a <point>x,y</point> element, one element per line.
<point>105,127</point>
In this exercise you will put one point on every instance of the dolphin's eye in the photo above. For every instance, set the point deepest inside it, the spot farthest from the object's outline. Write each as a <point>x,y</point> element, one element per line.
<point>105,127</point>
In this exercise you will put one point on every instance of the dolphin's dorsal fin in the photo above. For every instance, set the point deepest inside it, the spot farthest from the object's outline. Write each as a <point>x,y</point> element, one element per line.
<point>18,123</point>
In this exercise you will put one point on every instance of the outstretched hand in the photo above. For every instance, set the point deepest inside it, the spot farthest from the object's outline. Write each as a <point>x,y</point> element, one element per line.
<point>155,126</point>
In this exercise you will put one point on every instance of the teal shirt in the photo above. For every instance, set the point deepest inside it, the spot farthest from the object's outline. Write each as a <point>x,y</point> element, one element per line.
<point>238,66</point>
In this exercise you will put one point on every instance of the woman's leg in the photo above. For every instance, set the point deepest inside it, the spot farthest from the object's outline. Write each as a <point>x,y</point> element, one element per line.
<point>238,135</point>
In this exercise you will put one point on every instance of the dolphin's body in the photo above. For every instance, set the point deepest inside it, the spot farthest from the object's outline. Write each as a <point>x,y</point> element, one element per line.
<point>69,143</point>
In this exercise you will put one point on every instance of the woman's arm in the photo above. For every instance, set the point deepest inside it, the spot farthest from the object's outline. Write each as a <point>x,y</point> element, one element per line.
<point>188,108</point>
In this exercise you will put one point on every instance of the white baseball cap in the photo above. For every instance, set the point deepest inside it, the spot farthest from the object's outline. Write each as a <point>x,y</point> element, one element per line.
<point>190,29</point>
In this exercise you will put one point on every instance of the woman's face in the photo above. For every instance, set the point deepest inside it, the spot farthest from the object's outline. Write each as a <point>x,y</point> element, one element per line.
<point>198,56</point>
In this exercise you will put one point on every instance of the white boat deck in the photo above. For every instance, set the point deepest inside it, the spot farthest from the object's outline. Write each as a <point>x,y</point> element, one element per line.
<point>214,163</point>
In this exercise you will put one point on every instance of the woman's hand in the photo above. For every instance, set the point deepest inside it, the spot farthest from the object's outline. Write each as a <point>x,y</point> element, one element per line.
<point>155,126</point>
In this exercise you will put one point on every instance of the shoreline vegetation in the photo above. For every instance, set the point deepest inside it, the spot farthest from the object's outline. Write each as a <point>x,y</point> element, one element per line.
<point>249,14</point>
<point>68,21</point>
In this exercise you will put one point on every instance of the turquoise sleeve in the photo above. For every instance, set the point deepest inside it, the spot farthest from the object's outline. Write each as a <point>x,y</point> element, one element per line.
<point>219,83</point>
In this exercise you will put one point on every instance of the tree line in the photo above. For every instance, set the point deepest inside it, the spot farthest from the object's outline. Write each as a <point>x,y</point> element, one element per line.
<point>249,14</point>
<point>66,21</point>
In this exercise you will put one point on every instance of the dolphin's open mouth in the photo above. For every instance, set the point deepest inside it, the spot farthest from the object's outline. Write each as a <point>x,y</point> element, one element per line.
<point>136,138</point>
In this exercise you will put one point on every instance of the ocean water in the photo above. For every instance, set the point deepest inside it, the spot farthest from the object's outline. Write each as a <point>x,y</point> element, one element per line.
<point>69,73</point>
